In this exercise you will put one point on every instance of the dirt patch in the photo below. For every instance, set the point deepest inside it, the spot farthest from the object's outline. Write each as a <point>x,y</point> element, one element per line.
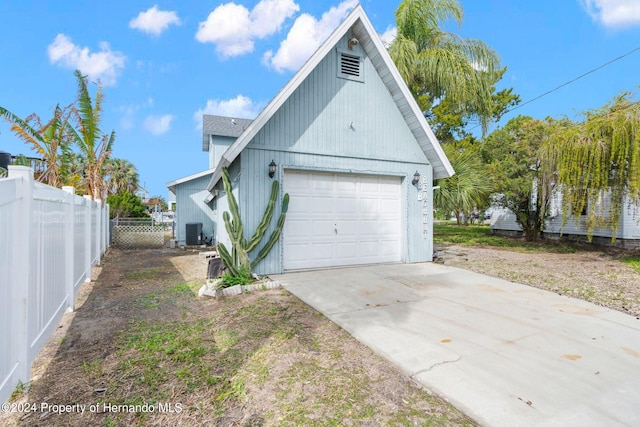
<point>593,275</point>
<point>142,349</point>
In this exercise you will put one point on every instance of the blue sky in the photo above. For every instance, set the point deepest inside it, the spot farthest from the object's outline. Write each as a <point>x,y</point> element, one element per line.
<point>164,63</point>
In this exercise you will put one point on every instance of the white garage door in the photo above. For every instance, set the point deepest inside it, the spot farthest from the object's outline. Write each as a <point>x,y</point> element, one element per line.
<point>339,219</point>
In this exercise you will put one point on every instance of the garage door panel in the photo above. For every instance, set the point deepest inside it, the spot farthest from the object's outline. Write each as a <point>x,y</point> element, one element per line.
<point>322,204</point>
<point>365,211</point>
<point>299,204</point>
<point>322,251</point>
<point>347,250</point>
<point>347,184</point>
<point>321,230</point>
<point>347,206</point>
<point>321,183</point>
<point>298,182</point>
<point>297,228</point>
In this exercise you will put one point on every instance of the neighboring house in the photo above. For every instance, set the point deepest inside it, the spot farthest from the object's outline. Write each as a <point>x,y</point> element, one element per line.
<point>142,193</point>
<point>503,222</point>
<point>171,201</point>
<point>353,150</point>
<point>191,200</point>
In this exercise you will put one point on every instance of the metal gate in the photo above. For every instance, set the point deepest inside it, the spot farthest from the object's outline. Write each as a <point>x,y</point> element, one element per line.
<point>133,233</point>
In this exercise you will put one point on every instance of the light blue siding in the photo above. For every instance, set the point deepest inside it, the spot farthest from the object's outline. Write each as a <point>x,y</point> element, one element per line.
<point>628,233</point>
<point>255,187</point>
<point>332,124</point>
<point>217,146</point>
<point>332,116</point>
<point>190,207</point>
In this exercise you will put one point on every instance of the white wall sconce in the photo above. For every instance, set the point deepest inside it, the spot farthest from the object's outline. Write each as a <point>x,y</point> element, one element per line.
<point>416,178</point>
<point>272,168</point>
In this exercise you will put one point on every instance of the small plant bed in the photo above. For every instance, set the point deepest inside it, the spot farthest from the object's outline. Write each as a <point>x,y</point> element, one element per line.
<point>227,285</point>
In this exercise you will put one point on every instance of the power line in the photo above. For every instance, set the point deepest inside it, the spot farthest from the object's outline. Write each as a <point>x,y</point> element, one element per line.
<point>568,82</point>
<point>575,79</point>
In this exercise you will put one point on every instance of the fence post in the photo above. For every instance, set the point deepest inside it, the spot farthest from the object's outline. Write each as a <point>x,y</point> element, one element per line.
<point>20,273</point>
<point>105,225</point>
<point>98,231</point>
<point>87,238</point>
<point>69,243</point>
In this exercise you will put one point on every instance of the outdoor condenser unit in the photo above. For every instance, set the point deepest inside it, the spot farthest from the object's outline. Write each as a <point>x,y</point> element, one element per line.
<point>194,233</point>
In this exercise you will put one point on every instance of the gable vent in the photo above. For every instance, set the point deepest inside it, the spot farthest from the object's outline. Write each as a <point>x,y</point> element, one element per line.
<point>349,64</point>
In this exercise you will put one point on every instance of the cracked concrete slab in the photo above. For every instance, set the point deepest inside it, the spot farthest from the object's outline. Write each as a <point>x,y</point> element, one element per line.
<point>504,353</point>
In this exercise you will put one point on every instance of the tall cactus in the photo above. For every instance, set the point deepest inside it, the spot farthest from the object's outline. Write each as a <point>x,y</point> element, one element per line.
<point>240,247</point>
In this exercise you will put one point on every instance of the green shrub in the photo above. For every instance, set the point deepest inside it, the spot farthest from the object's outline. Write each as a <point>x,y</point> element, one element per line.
<point>242,278</point>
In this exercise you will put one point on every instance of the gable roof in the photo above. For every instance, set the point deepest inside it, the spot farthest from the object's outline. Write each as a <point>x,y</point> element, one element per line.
<point>172,184</point>
<point>221,126</point>
<point>363,30</point>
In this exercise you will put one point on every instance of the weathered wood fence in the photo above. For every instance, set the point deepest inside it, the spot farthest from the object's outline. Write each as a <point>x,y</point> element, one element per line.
<point>49,241</point>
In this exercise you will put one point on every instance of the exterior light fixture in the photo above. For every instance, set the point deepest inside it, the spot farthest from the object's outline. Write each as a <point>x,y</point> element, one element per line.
<point>272,169</point>
<point>416,178</point>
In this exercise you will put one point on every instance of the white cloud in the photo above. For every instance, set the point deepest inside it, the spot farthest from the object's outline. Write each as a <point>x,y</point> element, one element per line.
<point>305,36</point>
<point>232,28</point>
<point>129,111</point>
<point>103,65</point>
<point>241,107</point>
<point>158,125</point>
<point>389,35</point>
<point>614,13</point>
<point>154,21</point>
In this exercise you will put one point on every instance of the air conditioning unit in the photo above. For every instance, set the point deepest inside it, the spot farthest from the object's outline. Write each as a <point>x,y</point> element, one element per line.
<point>194,233</point>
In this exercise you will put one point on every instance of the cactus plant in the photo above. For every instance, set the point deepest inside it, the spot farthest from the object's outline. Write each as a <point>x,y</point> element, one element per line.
<point>238,259</point>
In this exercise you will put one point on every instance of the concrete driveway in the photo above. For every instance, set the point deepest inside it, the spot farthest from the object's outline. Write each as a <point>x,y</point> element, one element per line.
<point>505,354</point>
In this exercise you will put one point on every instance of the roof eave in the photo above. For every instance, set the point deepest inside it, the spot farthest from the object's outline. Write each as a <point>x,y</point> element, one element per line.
<point>236,148</point>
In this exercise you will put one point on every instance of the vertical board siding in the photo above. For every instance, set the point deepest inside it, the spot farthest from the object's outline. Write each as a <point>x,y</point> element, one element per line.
<point>255,187</point>
<point>630,220</point>
<point>628,227</point>
<point>217,146</point>
<point>317,117</point>
<point>332,124</point>
<point>45,253</point>
<point>190,207</point>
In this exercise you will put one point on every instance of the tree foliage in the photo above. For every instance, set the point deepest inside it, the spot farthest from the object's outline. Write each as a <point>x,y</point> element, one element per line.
<point>515,155</point>
<point>598,163</point>
<point>468,189</point>
<point>92,143</point>
<point>126,205</point>
<point>121,176</point>
<point>49,140</point>
<point>437,64</point>
<point>450,122</point>
<point>71,143</point>
<point>590,167</point>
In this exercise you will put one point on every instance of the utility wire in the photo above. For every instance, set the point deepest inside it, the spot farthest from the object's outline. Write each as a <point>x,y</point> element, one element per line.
<point>575,79</point>
<point>568,82</point>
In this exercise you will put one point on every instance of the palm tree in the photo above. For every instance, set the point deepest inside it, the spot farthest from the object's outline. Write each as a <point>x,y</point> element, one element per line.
<point>94,146</point>
<point>74,173</point>
<point>468,189</point>
<point>51,140</point>
<point>122,176</point>
<point>436,64</point>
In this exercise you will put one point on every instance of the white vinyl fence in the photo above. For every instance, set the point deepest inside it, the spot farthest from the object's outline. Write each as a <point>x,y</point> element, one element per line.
<point>49,241</point>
